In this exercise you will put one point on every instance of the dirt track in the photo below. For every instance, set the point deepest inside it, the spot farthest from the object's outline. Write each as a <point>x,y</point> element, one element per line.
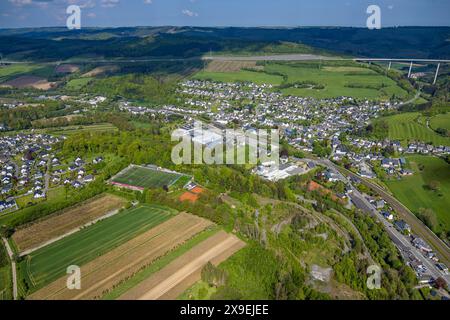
<point>180,274</point>
<point>103,273</point>
<point>59,224</point>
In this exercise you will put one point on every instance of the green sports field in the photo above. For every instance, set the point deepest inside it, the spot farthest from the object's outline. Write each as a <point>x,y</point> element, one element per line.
<point>412,127</point>
<point>143,177</point>
<point>413,193</point>
<point>49,263</point>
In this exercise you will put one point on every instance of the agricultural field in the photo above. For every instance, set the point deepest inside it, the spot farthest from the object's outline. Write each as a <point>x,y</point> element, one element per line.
<point>49,263</point>
<point>160,263</point>
<point>410,127</point>
<point>440,121</point>
<point>138,177</point>
<point>105,272</point>
<point>183,272</point>
<point>11,71</point>
<point>231,66</point>
<point>62,222</point>
<point>413,191</point>
<point>316,79</point>
<point>78,83</point>
<point>70,130</point>
<point>243,76</point>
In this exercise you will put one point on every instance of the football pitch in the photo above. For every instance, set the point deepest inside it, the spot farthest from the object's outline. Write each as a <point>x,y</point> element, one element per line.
<point>50,262</point>
<point>143,177</point>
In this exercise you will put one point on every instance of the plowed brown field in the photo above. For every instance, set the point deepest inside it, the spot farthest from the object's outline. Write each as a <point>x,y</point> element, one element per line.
<point>183,272</point>
<point>103,273</point>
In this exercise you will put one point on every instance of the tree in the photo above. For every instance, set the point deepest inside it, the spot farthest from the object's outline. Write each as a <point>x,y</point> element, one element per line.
<point>213,275</point>
<point>440,283</point>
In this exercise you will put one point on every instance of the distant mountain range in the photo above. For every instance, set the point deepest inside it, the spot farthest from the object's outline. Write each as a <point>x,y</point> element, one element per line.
<point>183,42</point>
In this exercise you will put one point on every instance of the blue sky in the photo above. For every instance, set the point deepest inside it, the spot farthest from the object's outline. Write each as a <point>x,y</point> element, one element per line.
<point>115,13</point>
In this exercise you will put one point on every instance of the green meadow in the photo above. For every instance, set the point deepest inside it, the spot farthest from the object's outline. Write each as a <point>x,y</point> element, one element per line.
<point>78,83</point>
<point>440,121</point>
<point>16,70</point>
<point>317,79</point>
<point>413,192</point>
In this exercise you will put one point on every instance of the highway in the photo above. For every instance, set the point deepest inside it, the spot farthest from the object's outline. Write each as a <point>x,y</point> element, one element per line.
<point>277,57</point>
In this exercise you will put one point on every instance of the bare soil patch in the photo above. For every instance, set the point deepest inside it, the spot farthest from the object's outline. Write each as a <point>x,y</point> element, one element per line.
<point>183,272</point>
<point>67,68</point>
<point>100,70</point>
<point>30,82</point>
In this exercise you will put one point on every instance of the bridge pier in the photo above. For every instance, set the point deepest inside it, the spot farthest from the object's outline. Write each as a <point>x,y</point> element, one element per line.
<point>410,69</point>
<point>437,72</point>
<point>390,64</point>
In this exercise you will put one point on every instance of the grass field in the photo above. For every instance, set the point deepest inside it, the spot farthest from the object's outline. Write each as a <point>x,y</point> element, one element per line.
<point>337,79</point>
<point>11,71</point>
<point>70,130</point>
<point>410,127</point>
<point>412,191</point>
<point>5,283</point>
<point>440,121</point>
<point>77,84</point>
<point>143,177</point>
<point>244,75</point>
<point>50,262</point>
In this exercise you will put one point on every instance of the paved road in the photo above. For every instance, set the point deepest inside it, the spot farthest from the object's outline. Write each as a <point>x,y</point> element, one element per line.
<point>419,228</point>
<point>401,241</point>
<point>13,267</point>
<point>280,57</point>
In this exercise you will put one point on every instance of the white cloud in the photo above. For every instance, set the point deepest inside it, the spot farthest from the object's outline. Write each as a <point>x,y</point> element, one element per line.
<point>109,3</point>
<point>189,13</point>
<point>21,2</point>
<point>148,1</point>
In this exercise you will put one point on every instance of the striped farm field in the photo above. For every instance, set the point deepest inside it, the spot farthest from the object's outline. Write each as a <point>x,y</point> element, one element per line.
<point>144,177</point>
<point>110,269</point>
<point>62,222</point>
<point>51,262</point>
<point>406,127</point>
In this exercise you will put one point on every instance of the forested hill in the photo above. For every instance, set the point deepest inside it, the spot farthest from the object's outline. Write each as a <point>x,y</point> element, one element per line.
<point>182,42</point>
